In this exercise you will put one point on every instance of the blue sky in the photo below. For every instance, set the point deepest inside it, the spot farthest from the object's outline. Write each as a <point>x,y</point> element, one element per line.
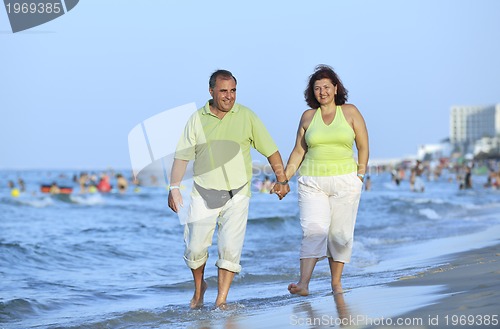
<point>73,88</point>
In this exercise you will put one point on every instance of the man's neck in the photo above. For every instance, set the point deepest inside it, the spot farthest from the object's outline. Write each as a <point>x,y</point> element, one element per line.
<point>218,113</point>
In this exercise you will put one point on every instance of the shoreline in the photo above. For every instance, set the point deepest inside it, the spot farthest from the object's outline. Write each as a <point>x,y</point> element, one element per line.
<point>471,284</point>
<point>457,289</point>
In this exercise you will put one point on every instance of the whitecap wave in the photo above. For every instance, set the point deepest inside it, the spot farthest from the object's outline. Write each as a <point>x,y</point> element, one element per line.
<point>89,199</point>
<point>429,213</point>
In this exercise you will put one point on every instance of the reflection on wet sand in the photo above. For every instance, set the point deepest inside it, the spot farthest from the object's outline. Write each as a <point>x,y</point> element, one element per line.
<point>343,311</point>
<point>306,316</point>
<point>217,319</point>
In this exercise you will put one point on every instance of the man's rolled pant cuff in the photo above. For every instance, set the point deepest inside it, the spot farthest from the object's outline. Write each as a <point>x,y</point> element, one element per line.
<point>227,265</point>
<point>194,264</point>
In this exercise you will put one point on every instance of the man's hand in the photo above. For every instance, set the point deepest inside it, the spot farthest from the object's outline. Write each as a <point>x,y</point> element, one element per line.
<point>175,200</point>
<point>280,190</point>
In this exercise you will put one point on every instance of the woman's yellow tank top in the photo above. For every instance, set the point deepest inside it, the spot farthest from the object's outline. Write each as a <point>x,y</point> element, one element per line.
<point>329,147</point>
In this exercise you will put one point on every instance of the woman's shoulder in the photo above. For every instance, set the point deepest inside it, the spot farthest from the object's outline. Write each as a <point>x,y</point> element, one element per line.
<point>309,113</point>
<point>307,118</point>
<point>351,110</point>
<point>349,107</point>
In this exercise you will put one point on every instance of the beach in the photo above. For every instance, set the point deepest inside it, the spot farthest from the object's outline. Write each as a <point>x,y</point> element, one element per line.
<point>461,293</point>
<point>471,289</point>
<point>114,260</point>
<point>461,290</point>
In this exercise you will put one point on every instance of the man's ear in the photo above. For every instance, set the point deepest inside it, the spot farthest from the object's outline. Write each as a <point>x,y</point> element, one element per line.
<point>211,91</point>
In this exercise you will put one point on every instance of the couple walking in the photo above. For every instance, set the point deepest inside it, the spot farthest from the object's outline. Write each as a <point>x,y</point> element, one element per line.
<point>218,138</point>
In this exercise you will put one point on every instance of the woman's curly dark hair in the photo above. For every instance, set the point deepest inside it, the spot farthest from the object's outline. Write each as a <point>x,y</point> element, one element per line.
<point>324,72</point>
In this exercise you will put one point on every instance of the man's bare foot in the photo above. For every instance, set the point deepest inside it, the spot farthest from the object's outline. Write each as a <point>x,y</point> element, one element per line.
<point>298,289</point>
<point>221,306</point>
<point>197,301</point>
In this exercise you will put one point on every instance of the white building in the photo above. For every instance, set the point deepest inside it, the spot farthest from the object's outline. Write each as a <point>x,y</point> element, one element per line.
<point>487,145</point>
<point>428,152</point>
<point>469,124</point>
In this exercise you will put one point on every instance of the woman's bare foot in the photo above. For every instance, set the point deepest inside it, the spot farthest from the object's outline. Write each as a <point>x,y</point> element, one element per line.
<point>298,289</point>
<point>197,301</point>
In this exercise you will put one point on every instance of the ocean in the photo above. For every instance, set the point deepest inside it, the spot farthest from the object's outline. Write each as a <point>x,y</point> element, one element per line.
<point>114,260</point>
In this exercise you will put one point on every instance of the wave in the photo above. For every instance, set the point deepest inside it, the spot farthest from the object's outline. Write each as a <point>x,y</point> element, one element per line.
<point>89,200</point>
<point>16,309</point>
<point>239,280</point>
<point>269,220</point>
<point>429,213</point>
<point>30,201</point>
<point>170,316</point>
<point>180,316</point>
<point>15,255</point>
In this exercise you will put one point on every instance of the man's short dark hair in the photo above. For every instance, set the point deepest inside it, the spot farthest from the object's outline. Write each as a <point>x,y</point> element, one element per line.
<point>224,74</point>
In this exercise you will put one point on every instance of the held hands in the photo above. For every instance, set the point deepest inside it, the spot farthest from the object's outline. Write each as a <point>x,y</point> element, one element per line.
<point>175,199</point>
<point>281,189</point>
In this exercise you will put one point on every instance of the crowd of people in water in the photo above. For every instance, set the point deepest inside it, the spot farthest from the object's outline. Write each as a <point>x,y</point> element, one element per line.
<point>92,183</point>
<point>461,174</point>
<point>418,173</point>
<point>82,183</point>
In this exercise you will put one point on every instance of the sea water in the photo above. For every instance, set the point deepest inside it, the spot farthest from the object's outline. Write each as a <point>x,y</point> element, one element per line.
<point>115,260</point>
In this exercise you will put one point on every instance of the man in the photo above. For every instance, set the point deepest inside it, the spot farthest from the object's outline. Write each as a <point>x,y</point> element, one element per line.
<point>218,138</point>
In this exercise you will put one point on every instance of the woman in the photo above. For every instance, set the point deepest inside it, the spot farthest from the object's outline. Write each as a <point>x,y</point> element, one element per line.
<point>330,180</point>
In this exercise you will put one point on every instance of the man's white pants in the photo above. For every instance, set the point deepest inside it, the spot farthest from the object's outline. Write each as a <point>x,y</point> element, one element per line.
<point>231,220</point>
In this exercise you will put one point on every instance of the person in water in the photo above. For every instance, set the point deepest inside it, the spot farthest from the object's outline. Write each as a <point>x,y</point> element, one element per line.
<point>218,137</point>
<point>330,180</point>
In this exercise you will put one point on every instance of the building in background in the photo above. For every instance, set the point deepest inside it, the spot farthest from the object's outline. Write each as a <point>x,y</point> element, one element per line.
<point>428,152</point>
<point>475,129</point>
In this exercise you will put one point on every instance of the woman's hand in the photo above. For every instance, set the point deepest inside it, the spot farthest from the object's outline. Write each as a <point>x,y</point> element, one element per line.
<point>281,190</point>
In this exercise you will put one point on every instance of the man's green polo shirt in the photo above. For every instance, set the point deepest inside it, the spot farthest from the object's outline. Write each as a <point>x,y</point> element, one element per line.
<point>221,148</point>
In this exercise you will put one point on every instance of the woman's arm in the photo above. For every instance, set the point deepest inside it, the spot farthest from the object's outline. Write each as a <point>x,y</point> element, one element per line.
<point>299,151</point>
<point>362,144</point>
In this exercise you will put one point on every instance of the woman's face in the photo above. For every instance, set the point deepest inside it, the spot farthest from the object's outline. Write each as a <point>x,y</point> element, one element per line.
<point>325,91</point>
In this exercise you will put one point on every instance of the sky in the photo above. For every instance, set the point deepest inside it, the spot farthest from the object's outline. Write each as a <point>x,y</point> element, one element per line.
<point>73,88</point>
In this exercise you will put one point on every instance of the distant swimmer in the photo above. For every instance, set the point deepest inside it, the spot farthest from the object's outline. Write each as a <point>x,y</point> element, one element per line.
<point>416,181</point>
<point>82,181</point>
<point>266,185</point>
<point>104,186</point>
<point>122,183</point>
<point>22,186</point>
<point>14,191</point>
<point>92,189</point>
<point>368,183</point>
<point>54,189</point>
<point>467,181</point>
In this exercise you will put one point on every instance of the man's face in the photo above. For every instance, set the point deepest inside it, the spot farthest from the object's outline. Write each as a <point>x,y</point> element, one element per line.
<point>223,94</point>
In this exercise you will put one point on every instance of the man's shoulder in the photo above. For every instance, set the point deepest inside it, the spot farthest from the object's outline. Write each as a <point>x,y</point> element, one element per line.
<point>242,108</point>
<point>205,108</point>
<point>246,112</point>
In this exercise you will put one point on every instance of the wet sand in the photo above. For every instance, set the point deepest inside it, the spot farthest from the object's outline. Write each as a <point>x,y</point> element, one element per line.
<point>471,282</point>
<point>462,292</point>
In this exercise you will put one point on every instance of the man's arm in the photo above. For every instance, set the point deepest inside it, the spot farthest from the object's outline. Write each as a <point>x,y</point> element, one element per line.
<point>174,196</point>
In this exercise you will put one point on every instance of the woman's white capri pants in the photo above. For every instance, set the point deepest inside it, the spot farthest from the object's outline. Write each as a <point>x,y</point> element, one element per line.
<point>328,210</point>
